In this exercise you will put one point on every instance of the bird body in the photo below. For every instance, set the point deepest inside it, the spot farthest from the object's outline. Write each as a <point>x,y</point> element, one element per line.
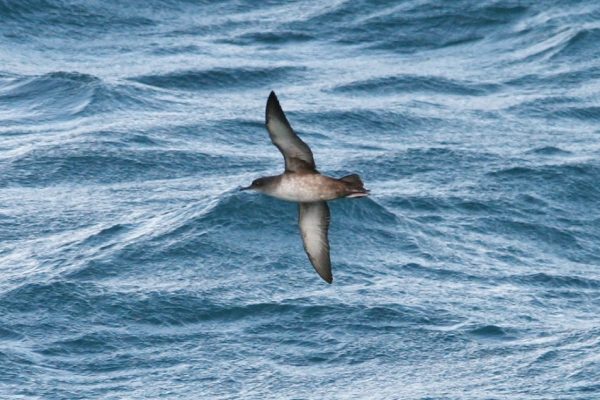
<point>302,183</point>
<point>305,187</point>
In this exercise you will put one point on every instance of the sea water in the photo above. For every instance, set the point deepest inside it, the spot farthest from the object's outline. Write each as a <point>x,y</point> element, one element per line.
<point>131,267</point>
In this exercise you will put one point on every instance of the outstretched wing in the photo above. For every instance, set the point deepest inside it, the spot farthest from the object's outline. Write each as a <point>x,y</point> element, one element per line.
<point>314,225</point>
<point>296,153</point>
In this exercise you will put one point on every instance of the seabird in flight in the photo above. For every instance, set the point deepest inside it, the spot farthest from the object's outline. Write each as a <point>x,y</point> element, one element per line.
<point>303,184</point>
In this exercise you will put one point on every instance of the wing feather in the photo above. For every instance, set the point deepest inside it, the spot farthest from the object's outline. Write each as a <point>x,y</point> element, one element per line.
<point>314,226</point>
<point>296,153</point>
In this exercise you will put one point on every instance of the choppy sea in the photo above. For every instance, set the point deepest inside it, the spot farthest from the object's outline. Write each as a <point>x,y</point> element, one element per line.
<point>132,268</point>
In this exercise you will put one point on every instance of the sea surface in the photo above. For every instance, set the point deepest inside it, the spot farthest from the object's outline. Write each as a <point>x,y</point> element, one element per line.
<point>131,267</point>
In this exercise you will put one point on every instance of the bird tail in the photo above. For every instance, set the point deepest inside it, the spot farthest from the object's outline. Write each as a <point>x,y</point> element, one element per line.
<point>354,186</point>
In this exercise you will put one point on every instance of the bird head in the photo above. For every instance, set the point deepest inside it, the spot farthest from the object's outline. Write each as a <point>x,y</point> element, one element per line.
<point>257,184</point>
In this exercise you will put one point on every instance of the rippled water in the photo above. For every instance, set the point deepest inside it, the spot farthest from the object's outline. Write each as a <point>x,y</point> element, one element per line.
<point>131,267</point>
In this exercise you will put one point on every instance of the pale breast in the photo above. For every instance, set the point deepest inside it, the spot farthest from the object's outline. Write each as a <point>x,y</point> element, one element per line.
<point>307,188</point>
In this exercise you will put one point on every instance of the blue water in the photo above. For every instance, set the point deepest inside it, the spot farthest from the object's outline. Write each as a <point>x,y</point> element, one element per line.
<point>131,267</point>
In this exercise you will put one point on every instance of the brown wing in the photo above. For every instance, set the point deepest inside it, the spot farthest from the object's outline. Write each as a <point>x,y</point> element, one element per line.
<point>296,153</point>
<point>313,219</point>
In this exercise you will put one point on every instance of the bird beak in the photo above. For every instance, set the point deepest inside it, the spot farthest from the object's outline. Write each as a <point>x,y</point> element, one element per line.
<point>246,188</point>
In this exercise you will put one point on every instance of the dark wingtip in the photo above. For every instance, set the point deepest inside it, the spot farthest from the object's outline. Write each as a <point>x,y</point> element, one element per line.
<point>327,277</point>
<point>272,103</point>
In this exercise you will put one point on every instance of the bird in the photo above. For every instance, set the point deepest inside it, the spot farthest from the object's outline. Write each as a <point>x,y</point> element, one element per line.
<point>303,184</point>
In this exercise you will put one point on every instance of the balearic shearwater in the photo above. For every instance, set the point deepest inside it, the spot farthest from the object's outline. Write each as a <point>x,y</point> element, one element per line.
<point>302,183</point>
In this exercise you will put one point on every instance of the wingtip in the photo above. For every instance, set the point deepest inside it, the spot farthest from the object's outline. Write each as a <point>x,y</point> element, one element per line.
<point>327,276</point>
<point>272,106</point>
<point>272,98</point>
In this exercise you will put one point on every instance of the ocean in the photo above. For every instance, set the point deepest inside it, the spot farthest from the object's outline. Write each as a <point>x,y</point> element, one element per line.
<point>132,267</point>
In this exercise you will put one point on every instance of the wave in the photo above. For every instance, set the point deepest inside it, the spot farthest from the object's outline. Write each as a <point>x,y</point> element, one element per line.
<point>211,232</point>
<point>552,281</point>
<point>421,162</point>
<point>220,78</point>
<point>389,124</point>
<point>572,181</point>
<point>493,332</point>
<point>70,300</point>
<point>410,27</point>
<point>449,204</point>
<point>549,151</point>
<point>59,94</point>
<point>64,95</point>
<point>416,83</point>
<point>580,45</point>
<point>567,79</point>
<point>84,163</point>
<point>278,37</point>
<point>63,17</point>
<point>558,107</point>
